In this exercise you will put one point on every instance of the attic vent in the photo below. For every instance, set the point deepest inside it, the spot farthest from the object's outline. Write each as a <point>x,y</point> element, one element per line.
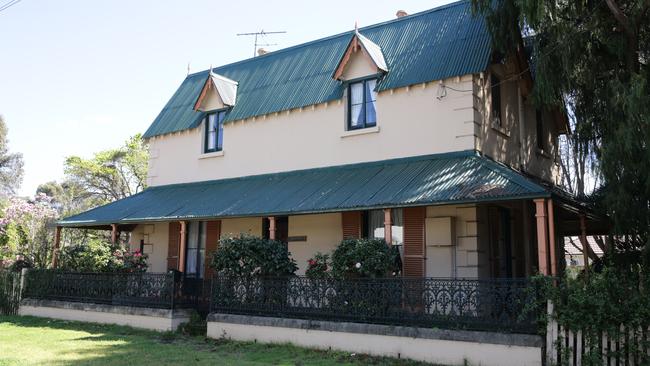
<point>401,13</point>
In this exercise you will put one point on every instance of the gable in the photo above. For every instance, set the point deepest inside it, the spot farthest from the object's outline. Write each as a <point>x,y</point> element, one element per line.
<point>362,57</point>
<point>436,44</point>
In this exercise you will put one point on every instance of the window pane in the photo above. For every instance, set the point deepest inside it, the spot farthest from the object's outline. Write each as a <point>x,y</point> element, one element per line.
<point>356,116</point>
<point>376,224</point>
<point>211,121</point>
<point>211,140</point>
<point>356,93</point>
<point>193,234</point>
<point>191,261</point>
<point>371,95</point>
<point>220,131</point>
<point>371,114</point>
<point>201,263</point>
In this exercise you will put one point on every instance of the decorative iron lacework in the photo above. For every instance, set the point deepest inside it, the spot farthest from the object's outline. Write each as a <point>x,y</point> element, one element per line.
<point>151,290</point>
<point>495,304</point>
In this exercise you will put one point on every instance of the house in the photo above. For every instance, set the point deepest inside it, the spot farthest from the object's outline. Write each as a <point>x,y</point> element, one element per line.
<point>412,130</point>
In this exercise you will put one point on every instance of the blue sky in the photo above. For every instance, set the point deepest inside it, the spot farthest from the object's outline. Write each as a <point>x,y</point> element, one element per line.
<point>80,76</point>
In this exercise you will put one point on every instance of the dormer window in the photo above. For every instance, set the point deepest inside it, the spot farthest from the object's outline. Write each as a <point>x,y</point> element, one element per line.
<point>362,112</point>
<point>214,131</point>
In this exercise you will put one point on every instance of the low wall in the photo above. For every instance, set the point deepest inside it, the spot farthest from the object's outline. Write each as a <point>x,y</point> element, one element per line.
<point>449,347</point>
<point>146,318</point>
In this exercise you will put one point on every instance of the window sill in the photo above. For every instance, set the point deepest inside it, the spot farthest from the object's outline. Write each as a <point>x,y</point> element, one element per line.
<point>361,131</point>
<point>211,155</point>
<point>501,130</point>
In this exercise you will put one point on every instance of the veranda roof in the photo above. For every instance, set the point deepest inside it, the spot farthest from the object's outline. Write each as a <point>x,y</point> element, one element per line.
<point>459,177</point>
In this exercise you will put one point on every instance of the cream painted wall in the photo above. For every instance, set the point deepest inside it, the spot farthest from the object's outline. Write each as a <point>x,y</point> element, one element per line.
<point>157,235</point>
<point>465,253</point>
<point>246,225</point>
<point>411,122</point>
<point>211,101</point>
<point>324,233</point>
<point>359,65</point>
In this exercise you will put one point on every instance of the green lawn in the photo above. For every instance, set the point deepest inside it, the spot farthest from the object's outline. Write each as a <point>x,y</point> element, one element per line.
<point>36,341</point>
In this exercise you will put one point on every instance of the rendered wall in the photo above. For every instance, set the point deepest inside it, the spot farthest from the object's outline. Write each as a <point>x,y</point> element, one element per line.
<point>323,232</point>
<point>411,122</point>
<point>156,239</point>
<point>246,225</point>
<point>473,348</point>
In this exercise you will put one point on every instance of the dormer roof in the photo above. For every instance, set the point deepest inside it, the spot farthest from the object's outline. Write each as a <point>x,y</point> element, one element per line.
<point>370,49</point>
<point>225,88</point>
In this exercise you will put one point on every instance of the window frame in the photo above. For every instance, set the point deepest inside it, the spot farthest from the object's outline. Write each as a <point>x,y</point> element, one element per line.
<point>495,99</point>
<point>218,130</point>
<point>201,245</point>
<point>363,81</point>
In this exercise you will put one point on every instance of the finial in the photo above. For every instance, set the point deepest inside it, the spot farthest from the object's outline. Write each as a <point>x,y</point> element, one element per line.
<point>188,68</point>
<point>356,27</point>
<point>210,68</point>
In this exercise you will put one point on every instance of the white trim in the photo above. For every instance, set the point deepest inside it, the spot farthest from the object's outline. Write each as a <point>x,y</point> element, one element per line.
<point>361,131</point>
<point>209,155</point>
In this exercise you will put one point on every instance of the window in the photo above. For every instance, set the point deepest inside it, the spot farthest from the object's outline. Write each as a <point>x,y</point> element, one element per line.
<point>374,225</point>
<point>195,257</point>
<point>539,126</point>
<point>495,85</point>
<point>214,131</point>
<point>361,104</point>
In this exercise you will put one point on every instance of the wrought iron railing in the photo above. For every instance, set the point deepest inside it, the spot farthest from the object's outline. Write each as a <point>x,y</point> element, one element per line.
<point>9,292</point>
<point>494,304</point>
<point>152,290</point>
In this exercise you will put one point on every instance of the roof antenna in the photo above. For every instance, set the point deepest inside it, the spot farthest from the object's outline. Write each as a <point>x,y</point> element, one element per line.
<point>263,34</point>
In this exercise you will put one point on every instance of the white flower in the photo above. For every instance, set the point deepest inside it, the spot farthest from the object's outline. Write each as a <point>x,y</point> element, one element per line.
<point>358,265</point>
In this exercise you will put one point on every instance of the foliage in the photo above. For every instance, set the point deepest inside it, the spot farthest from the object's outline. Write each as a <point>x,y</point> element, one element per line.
<point>318,266</point>
<point>25,230</point>
<point>598,303</point>
<point>11,164</point>
<point>251,256</point>
<point>591,56</point>
<point>100,256</point>
<point>364,258</point>
<point>111,174</point>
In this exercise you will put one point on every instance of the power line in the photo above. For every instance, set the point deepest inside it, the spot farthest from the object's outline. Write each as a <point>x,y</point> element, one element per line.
<point>9,4</point>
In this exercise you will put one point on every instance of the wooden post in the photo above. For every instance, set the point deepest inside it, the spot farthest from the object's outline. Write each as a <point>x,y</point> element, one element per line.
<point>388,227</point>
<point>181,249</point>
<point>272,227</point>
<point>57,243</point>
<point>583,241</point>
<point>542,236</point>
<point>551,237</point>
<point>114,234</point>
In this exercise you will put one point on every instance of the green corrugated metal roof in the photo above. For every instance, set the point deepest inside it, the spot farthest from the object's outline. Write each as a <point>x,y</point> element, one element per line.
<point>460,177</point>
<point>431,45</point>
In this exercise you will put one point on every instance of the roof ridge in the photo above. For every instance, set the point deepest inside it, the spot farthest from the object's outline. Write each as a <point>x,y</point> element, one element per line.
<point>327,38</point>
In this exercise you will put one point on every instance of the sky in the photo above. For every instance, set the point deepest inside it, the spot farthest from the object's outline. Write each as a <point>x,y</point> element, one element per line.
<point>81,76</point>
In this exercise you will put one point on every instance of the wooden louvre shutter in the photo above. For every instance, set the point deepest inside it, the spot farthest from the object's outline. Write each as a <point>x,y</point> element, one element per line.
<point>351,224</point>
<point>173,245</point>
<point>414,252</point>
<point>213,232</point>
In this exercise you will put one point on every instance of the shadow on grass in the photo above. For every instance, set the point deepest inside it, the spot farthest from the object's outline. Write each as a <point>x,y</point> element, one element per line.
<point>122,345</point>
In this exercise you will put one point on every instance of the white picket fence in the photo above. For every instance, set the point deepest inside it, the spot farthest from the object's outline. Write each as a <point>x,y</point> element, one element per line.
<point>627,347</point>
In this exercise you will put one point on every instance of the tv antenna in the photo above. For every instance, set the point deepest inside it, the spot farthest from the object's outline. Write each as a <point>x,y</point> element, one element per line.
<point>261,33</point>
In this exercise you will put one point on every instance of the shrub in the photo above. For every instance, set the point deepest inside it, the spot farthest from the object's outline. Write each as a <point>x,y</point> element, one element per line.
<point>251,256</point>
<point>318,266</point>
<point>98,256</point>
<point>364,258</point>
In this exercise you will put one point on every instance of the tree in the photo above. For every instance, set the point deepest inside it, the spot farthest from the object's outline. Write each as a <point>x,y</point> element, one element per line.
<point>591,56</point>
<point>112,174</point>
<point>11,164</point>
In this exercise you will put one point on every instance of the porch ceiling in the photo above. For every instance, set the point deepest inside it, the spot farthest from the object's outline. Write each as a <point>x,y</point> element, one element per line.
<point>450,178</point>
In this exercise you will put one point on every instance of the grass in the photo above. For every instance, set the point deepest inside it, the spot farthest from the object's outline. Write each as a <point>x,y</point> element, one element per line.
<point>38,341</point>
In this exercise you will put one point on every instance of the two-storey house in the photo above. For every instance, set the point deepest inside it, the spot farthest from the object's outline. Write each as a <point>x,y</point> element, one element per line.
<point>412,130</point>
